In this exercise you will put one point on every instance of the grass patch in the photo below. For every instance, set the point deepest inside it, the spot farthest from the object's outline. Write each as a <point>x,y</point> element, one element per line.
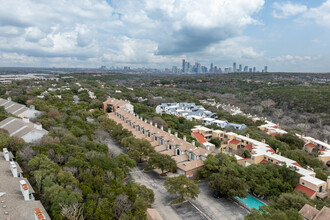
<point>148,169</point>
<point>177,201</point>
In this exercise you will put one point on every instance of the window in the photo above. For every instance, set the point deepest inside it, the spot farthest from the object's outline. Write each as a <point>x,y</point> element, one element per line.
<point>303,183</point>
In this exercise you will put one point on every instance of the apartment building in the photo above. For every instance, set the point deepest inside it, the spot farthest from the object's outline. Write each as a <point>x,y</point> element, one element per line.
<point>16,193</point>
<point>317,146</point>
<point>271,128</point>
<point>188,157</point>
<point>261,152</point>
<point>19,110</point>
<point>23,128</point>
<point>194,112</point>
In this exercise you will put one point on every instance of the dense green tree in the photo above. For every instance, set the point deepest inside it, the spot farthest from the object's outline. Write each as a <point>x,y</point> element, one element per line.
<point>229,178</point>
<point>269,213</point>
<point>216,142</point>
<point>162,162</point>
<point>182,186</point>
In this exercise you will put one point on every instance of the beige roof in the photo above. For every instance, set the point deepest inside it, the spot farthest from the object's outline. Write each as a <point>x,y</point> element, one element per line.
<point>152,214</point>
<point>308,212</point>
<point>16,206</point>
<point>324,214</point>
<point>191,165</point>
<point>181,158</point>
<point>160,148</point>
<point>13,107</point>
<point>18,128</point>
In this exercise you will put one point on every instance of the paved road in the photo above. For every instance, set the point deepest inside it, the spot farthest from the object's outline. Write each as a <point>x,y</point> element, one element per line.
<point>209,206</point>
<point>213,208</point>
<point>218,208</point>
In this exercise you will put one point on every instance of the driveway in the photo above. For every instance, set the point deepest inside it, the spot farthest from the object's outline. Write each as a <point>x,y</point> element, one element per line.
<point>217,208</point>
<point>204,207</point>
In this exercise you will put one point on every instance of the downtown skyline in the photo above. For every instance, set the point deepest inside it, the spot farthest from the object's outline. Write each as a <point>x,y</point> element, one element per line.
<point>285,35</point>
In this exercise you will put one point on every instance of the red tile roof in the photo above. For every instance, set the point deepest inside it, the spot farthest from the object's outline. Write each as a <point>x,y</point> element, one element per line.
<point>297,164</point>
<point>200,138</point>
<point>234,141</point>
<point>275,126</point>
<point>271,149</point>
<point>264,161</point>
<point>274,134</point>
<point>322,150</point>
<point>248,147</point>
<point>310,145</point>
<point>305,190</point>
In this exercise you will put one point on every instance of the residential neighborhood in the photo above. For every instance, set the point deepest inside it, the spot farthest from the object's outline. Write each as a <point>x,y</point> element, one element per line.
<point>194,112</point>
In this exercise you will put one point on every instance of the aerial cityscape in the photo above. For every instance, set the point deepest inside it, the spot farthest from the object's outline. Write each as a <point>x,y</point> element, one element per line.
<point>165,110</point>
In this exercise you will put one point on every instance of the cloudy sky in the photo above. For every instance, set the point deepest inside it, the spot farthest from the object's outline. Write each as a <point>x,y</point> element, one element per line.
<point>285,35</point>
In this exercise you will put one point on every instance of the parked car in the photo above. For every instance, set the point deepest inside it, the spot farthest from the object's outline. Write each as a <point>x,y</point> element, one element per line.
<point>217,194</point>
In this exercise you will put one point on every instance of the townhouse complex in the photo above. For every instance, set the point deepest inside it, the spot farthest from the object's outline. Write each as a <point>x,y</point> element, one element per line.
<point>260,152</point>
<point>194,112</point>
<point>16,193</point>
<point>317,146</point>
<point>19,110</point>
<point>188,157</point>
<point>23,128</point>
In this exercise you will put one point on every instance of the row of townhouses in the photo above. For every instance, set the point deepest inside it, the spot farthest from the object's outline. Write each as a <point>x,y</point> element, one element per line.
<point>188,157</point>
<point>311,144</point>
<point>16,193</point>
<point>317,146</point>
<point>194,112</point>
<point>262,153</point>
<point>19,110</point>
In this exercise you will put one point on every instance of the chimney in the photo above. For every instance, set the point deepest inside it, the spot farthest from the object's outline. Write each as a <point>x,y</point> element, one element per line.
<point>156,125</point>
<point>176,134</point>
<point>280,153</point>
<point>145,120</point>
<point>247,135</point>
<point>169,130</point>
<point>13,168</point>
<point>38,214</point>
<point>328,184</point>
<point>38,126</point>
<point>9,99</point>
<point>184,138</point>
<point>5,154</point>
<point>25,190</point>
<point>26,120</point>
<point>263,141</point>
<point>162,128</point>
<point>32,107</point>
<point>193,143</point>
<point>276,150</point>
<point>150,122</point>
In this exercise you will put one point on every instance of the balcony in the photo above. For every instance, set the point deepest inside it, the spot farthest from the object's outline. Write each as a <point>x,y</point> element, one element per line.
<point>322,195</point>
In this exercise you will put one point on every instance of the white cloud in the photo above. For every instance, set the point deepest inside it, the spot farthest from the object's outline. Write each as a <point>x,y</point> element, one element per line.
<point>95,32</point>
<point>287,9</point>
<point>320,14</point>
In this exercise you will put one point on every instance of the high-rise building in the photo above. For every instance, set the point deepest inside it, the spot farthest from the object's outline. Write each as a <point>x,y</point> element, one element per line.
<point>174,69</point>
<point>240,68</point>
<point>183,65</point>
<point>234,67</point>
<point>211,68</point>
<point>254,69</point>
<point>246,69</point>
<point>266,69</point>
<point>250,70</point>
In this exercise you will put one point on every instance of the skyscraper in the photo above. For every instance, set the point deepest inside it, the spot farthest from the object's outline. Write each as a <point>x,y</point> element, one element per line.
<point>211,68</point>
<point>183,65</point>
<point>254,69</point>
<point>266,69</point>
<point>240,68</point>
<point>246,69</point>
<point>234,67</point>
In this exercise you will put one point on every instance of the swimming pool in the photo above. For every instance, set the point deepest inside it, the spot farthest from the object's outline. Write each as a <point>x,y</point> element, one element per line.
<point>250,201</point>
